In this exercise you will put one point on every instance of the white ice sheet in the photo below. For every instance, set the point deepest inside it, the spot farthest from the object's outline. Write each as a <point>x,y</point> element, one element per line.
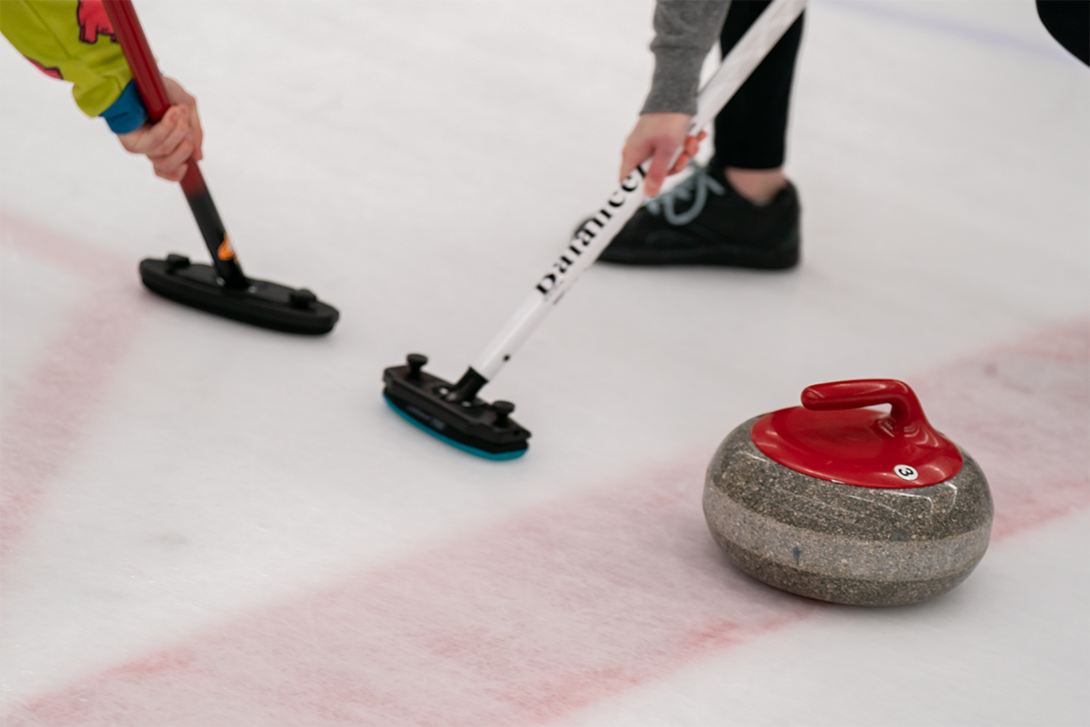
<point>184,494</point>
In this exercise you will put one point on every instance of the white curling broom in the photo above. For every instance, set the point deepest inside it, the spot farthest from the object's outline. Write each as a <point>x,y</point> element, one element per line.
<point>452,412</point>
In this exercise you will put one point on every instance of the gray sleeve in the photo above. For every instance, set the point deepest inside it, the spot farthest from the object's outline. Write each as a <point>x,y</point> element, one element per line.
<point>685,30</point>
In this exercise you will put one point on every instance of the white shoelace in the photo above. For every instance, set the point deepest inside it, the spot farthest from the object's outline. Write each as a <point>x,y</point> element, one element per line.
<point>696,184</point>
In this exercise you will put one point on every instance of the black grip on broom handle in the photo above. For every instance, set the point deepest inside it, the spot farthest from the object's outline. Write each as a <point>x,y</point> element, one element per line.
<point>149,83</point>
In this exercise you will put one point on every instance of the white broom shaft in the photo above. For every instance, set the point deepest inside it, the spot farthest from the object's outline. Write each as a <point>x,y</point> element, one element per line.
<point>591,239</point>
<point>744,57</point>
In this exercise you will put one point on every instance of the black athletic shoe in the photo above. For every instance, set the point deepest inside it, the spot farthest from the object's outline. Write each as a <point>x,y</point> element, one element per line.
<point>703,221</point>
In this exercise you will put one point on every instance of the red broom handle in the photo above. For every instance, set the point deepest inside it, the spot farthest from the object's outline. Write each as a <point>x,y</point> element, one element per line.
<point>149,83</point>
<point>146,74</point>
<point>134,44</point>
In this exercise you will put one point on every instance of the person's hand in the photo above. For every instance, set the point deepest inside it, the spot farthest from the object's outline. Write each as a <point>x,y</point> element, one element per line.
<point>658,136</point>
<point>174,140</point>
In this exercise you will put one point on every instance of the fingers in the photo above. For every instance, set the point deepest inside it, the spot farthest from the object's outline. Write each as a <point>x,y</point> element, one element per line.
<point>659,167</point>
<point>197,134</point>
<point>174,137</point>
<point>147,138</point>
<point>680,164</point>
<point>664,150</point>
<point>170,143</point>
<point>660,148</point>
<point>656,135</point>
<point>174,175</point>
<point>631,157</point>
<point>180,97</point>
<point>687,153</point>
<point>173,166</point>
<point>692,147</point>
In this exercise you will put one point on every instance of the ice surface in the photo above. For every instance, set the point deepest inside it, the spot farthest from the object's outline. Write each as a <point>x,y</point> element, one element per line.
<point>183,490</point>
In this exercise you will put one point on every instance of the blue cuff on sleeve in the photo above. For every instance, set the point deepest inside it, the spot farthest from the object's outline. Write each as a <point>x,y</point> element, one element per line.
<point>127,113</point>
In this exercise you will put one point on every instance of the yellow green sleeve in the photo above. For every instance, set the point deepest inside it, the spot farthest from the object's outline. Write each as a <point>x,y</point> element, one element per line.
<point>71,40</point>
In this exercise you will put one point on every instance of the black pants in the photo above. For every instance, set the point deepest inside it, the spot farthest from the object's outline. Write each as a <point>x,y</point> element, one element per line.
<point>1069,23</point>
<point>751,128</point>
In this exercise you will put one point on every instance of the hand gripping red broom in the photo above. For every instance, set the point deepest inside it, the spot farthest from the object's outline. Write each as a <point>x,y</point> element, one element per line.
<point>220,288</point>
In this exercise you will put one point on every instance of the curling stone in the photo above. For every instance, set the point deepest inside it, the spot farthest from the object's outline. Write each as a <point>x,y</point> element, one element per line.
<point>842,503</point>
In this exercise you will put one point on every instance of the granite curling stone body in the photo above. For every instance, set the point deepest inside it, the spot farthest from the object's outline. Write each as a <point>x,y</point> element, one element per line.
<point>846,504</point>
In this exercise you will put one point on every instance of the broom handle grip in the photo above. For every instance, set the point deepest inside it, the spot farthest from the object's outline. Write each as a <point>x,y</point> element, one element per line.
<point>593,237</point>
<point>153,92</point>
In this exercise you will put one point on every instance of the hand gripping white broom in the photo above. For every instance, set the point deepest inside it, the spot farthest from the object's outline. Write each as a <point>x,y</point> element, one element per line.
<point>452,412</point>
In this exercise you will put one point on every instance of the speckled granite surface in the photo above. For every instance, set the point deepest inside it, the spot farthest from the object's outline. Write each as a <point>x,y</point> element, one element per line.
<point>841,543</point>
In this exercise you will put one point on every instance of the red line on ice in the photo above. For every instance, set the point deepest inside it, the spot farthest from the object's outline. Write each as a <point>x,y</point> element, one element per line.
<point>49,414</point>
<point>573,602</point>
<point>554,609</point>
<point>1023,412</point>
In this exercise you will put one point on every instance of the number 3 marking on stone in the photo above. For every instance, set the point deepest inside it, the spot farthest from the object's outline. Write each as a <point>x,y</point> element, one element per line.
<point>905,472</point>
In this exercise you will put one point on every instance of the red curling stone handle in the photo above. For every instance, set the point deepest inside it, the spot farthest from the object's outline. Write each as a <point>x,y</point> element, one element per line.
<point>833,436</point>
<point>906,409</point>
